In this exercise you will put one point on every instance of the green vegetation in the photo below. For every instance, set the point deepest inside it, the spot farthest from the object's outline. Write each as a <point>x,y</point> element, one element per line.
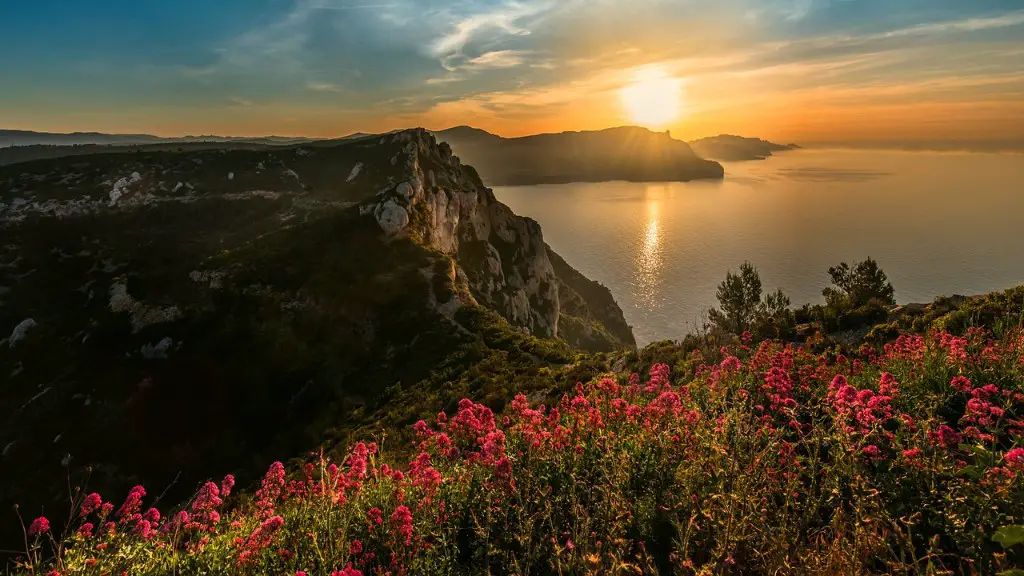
<point>743,309</point>
<point>904,459</point>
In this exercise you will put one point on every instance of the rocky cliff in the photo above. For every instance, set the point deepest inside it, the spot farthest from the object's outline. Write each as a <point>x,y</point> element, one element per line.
<point>168,313</point>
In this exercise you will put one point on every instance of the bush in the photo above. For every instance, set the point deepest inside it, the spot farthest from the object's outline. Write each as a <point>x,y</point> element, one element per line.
<point>743,310</point>
<point>856,286</point>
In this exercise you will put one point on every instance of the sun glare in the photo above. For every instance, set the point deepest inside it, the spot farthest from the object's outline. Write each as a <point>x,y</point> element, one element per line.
<point>653,98</point>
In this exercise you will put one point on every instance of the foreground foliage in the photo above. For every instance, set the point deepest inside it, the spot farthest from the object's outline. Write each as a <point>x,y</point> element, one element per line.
<point>768,459</point>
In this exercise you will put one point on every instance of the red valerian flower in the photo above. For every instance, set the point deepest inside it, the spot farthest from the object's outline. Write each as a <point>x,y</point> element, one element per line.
<point>347,571</point>
<point>39,526</point>
<point>132,503</point>
<point>1015,459</point>
<point>90,504</point>
<point>402,519</point>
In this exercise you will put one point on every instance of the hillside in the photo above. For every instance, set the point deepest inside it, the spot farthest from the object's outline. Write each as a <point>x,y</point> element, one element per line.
<point>728,148</point>
<point>167,312</point>
<point>705,457</point>
<point>629,153</point>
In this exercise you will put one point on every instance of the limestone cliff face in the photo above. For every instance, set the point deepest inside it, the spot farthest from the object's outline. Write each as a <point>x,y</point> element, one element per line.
<point>503,256</point>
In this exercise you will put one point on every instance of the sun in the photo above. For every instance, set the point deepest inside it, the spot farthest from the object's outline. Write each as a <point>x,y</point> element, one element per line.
<point>652,99</point>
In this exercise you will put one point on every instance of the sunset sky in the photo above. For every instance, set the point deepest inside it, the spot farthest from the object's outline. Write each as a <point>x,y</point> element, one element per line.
<point>883,71</point>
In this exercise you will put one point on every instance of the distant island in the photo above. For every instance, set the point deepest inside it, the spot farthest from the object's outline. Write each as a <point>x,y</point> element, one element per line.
<point>729,148</point>
<point>626,153</point>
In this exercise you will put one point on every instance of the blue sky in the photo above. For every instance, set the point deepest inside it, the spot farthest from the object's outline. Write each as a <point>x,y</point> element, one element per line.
<point>829,70</point>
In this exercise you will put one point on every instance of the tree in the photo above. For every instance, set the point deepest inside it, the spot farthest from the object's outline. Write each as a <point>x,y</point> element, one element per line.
<point>739,296</point>
<point>856,286</point>
<point>742,308</point>
<point>774,317</point>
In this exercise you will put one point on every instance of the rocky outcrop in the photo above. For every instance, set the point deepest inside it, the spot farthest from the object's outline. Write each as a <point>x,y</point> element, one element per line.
<point>446,204</point>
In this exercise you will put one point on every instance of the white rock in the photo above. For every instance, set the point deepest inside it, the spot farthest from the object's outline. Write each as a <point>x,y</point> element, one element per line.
<point>19,331</point>
<point>159,351</point>
<point>177,187</point>
<point>392,218</point>
<point>355,171</point>
<point>120,300</point>
<point>405,191</point>
<point>231,175</point>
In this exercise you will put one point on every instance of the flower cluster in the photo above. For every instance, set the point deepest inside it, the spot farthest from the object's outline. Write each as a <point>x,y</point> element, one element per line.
<point>739,462</point>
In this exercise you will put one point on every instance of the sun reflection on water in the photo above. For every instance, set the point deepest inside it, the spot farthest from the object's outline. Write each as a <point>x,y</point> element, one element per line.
<point>649,259</point>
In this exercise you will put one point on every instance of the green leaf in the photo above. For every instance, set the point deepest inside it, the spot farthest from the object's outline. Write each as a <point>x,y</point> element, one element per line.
<point>1011,572</point>
<point>1009,535</point>
<point>972,472</point>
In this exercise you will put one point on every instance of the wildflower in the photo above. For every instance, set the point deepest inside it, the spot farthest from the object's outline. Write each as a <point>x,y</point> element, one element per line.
<point>730,364</point>
<point>90,504</point>
<point>347,571</point>
<point>945,437</point>
<point>85,530</point>
<point>355,548</point>
<point>260,538</point>
<point>226,485</point>
<point>871,451</point>
<point>132,503</point>
<point>1015,459</point>
<point>961,384</point>
<point>144,529</point>
<point>402,518</point>
<point>39,526</point>
<point>375,515</point>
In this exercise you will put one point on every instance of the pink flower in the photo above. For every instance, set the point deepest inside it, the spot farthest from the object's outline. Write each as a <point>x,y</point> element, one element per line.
<point>402,519</point>
<point>300,573</point>
<point>39,526</point>
<point>730,364</point>
<point>1015,459</point>
<point>91,503</point>
<point>355,548</point>
<point>226,485</point>
<point>871,451</point>
<point>960,383</point>
<point>132,503</point>
<point>85,530</point>
<point>945,437</point>
<point>347,571</point>
<point>375,515</point>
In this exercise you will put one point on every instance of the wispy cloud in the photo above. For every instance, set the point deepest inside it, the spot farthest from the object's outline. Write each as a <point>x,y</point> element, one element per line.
<point>506,19</point>
<point>324,87</point>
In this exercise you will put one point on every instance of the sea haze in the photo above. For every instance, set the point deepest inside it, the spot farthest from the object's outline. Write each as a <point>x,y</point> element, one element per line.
<point>938,223</point>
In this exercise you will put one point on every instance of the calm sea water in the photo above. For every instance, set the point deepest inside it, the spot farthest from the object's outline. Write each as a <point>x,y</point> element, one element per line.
<point>937,223</point>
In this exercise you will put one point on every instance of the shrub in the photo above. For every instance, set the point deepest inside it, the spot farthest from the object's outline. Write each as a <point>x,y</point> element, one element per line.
<point>856,286</point>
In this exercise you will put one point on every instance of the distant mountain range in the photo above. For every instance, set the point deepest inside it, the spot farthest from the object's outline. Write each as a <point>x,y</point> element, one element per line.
<point>30,138</point>
<point>627,153</point>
